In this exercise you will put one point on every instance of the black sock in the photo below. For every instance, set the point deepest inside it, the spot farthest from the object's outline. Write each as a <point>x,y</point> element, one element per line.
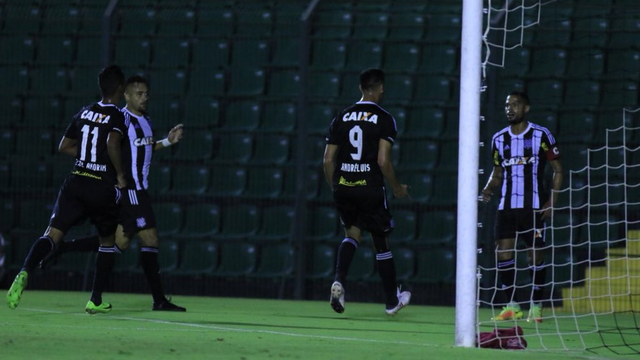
<point>387,270</point>
<point>86,244</point>
<point>39,251</point>
<point>539,276</point>
<point>507,270</point>
<point>149,262</point>
<point>104,263</point>
<point>346,252</point>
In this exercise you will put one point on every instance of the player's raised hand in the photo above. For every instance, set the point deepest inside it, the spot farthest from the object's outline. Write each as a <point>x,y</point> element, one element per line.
<point>175,134</point>
<point>485,196</point>
<point>401,191</point>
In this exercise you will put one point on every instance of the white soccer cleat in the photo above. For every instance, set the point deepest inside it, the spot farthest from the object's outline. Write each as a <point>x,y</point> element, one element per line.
<point>403,300</point>
<point>337,297</point>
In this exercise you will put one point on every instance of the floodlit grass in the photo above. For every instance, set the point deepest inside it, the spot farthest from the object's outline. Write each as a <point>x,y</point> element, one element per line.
<point>53,325</point>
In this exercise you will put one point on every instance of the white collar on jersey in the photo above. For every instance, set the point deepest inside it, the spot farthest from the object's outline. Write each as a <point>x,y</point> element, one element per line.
<point>103,104</point>
<point>367,102</point>
<point>130,113</point>
<point>522,133</point>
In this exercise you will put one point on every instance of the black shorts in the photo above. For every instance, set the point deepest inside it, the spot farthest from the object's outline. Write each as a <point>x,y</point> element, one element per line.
<point>82,198</point>
<point>364,207</point>
<point>136,213</point>
<point>525,224</point>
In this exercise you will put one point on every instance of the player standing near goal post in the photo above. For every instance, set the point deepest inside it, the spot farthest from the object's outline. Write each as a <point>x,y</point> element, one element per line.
<point>356,161</point>
<point>520,152</point>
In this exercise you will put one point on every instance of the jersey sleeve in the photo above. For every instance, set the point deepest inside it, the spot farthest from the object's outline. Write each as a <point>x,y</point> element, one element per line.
<point>119,123</point>
<point>388,130</point>
<point>72,130</point>
<point>549,146</point>
<point>333,137</point>
<point>497,159</point>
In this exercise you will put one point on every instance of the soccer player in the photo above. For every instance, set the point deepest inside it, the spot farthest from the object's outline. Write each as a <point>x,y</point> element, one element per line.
<point>136,214</point>
<point>92,190</point>
<point>356,159</point>
<point>520,152</point>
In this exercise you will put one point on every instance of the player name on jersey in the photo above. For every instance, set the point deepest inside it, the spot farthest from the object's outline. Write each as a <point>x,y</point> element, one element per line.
<point>346,167</point>
<point>91,166</point>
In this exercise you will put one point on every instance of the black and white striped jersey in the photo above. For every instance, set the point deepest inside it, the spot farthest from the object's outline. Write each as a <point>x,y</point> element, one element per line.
<point>523,158</point>
<point>137,156</point>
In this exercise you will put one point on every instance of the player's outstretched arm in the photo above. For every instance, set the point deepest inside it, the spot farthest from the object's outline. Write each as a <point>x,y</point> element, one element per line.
<point>175,135</point>
<point>389,173</point>
<point>68,146</point>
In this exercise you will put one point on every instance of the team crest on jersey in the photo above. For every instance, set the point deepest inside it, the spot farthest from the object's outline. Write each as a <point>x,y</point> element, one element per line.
<point>360,116</point>
<point>141,222</point>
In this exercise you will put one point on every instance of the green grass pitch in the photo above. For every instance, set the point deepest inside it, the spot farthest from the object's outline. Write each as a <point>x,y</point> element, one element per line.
<point>53,325</point>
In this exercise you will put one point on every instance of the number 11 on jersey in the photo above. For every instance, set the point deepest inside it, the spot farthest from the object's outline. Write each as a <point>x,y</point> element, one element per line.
<point>94,142</point>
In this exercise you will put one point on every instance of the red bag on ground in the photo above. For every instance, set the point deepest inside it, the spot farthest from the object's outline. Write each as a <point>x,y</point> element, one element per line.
<point>509,339</point>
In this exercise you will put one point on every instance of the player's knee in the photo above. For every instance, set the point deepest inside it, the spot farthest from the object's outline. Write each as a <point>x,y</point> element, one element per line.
<point>380,242</point>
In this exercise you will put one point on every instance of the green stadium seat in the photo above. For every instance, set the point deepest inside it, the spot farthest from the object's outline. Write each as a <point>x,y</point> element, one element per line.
<point>237,259</point>
<point>21,18</point>
<point>421,185</point>
<point>545,92</point>
<point>211,53</point>
<point>33,215</point>
<point>49,80</point>
<point>128,261</point>
<point>279,116</point>
<point>201,219</point>
<point>164,112</point>
<point>168,81</point>
<point>350,86</point>
<point>574,156</point>
<point>585,63</point>
<point>572,120</point>
<point>322,223</point>
<point>190,179</point>
<point>328,55</point>
<point>549,62</point>
<point>159,179</point>
<point>425,121</point>
<point>271,149</point>
<point>433,89</point>
<point>405,261</point>
<point>315,148</point>
<point>517,62</point>
<point>406,26</point>
<point>139,21</point>
<point>265,182</point>
<point>198,147</point>
<point>176,21</point>
<point>590,32</point>
<point>287,52</point>
<point>405,228</point>
<point>553,33</point>
<point>399,88</point>
<point>399,114</point>
<point>324,85</point>
<point>438,59</point>
<point>90,18</point>
<point>239,221</point>
<point>363,55</point>
<point>89,52</point>
<point>322,262</point>
<point>275,261</point>
<point>168,217</point>
<point>34,142</point>
<point>7,142</point>
<point>56,50</point>
<point>401,57</point>
<point>7,212</point>
<point>202,111</point>
<point>284,83</point>
<point>287,19</point>
<point>198,257</point>
<point>370,26</point>
<point>444,28</point>
<point>84,82</point>
<point>15,79</point>
<point>428,154</point>
<point>437,227</point>
<point>276,223</point>
<point>168,255</point>
<point>507,85</point>
<point>448,155</point>
<point>207,81</point>
<point>75,262</point>
<point>42,112</point>
<point>332,24</point>
<point>312,179</point>
<point>242,116</point>
<point>214,22</point>
<point>246,81</point>
<point>320,116</point>
<point>618,94</point>
<point>258,22</point>
<point>234,148</point>
<point>17,50</point>
<point>623,32</point>
<point>12,109</point>
<point>249,53</point>
<point>132,51</point>
<point>445,188</point>
<point>581,92</point>
<point>363,264</point>
<point>170,52</point>
<point>228,181</point>
<point>435,266</point>
<point>5,174</point>
<point>623,64</point>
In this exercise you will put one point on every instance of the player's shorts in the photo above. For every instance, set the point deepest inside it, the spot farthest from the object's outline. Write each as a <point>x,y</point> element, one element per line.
<point>82,198</point>
<point>136,213</point>
<point>525,224</point>
<point>364,207</point>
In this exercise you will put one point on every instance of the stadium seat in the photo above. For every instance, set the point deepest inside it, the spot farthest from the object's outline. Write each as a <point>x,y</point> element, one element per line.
<point>284,83</point>
<point>438,59</point>
<point>210,53</point>
<point>332,24</point>
<point>287,19</point>
<point>401,57</point>
<point>246,81</point>
<point>43,113</point>
<point>276,223</point>
<point>324,85</point>
<point>556,32</point>
<point>271,149</point>
<point>214,22</point>
<point>425,121</point>
<point>405,261</point>
<point>590,32</point>
<point>170,52</point>
<point>275,261</point>
<point>89,15</point>
<point>545,92</point>
<point>89,52</point>
<point>168,255</point>
<point>198,257</point>
<point>328,55</point>
<point>399,114</point>
<point>16,80</point>
<point>242,116</point>
<point>139,21</point>
<point>228,181</point>
<point>320,116</point>
<point>363,264</point>
<point>549,62</point>
<point>582,92</point>
<point>55,50</point>
<point>7,209</point>
<point>168,217</point>
<point>239,221</point>
<point>445,189</point>
<point>428,158</point>
<point>437,227</point>
<point>265,182</point>
<point>279,116</point>
<point>507,85</point>
<point>623,64</point>
<point>322,262</point>
<point>34,142</point>
<point>583,120</point>
<point>49,80</point>
<point>435,266</point>
<point>516,63</point>
<point>34,215</point>
<point>190,179</point>
<point>311,178</point>
<point>585,63</point>
<point>207,81</point>
<point>350,85</point>
<point>421,186</point>
<point>363,55</point>
<point>315,148</point>
<point>84,83</point>
<point>75,262</point>
<point>168,81</point>
<point>322,223</point>
<point>164,111</point>
<point>132,51</point>
<point>405,225</point>
<point>370,26</point>
<point>159,179</point>
<point>623,32</point>
<point>433,89</point>
<point>444,28</point>
<point>129,260</point>
<point>23,18</point>
<point>176,21</point>
<point>286,52</point>
<point>237,259</point>
<point>398,88</point>
<point>406,26</point>
<point>574,156</point>
<point>249,53</point>
<point>7,142</point>
<point>199,145</point>
<point>233,148</point>
<point>12,109</point>
<point>257,22</point>
<point>618,94</point>
<point>202,111</point>
<point>201,219</point>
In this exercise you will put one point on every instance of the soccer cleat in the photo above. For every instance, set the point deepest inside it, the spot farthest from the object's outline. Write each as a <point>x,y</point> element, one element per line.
<point>403,300</point>
<point>337,297</point>
<point>535,314</point>
<point>93,309</point>
<point>510,312</point>
<point>15,291</point>
<point>167,305</point>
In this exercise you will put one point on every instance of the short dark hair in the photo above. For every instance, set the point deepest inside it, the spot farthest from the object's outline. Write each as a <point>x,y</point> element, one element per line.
<point>371,78</point>
<point>523,95</point>
<point>110,79</point>
<point>136,79</point>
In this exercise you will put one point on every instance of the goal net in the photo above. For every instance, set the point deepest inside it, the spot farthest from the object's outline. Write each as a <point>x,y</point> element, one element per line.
<point>592,247</point>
